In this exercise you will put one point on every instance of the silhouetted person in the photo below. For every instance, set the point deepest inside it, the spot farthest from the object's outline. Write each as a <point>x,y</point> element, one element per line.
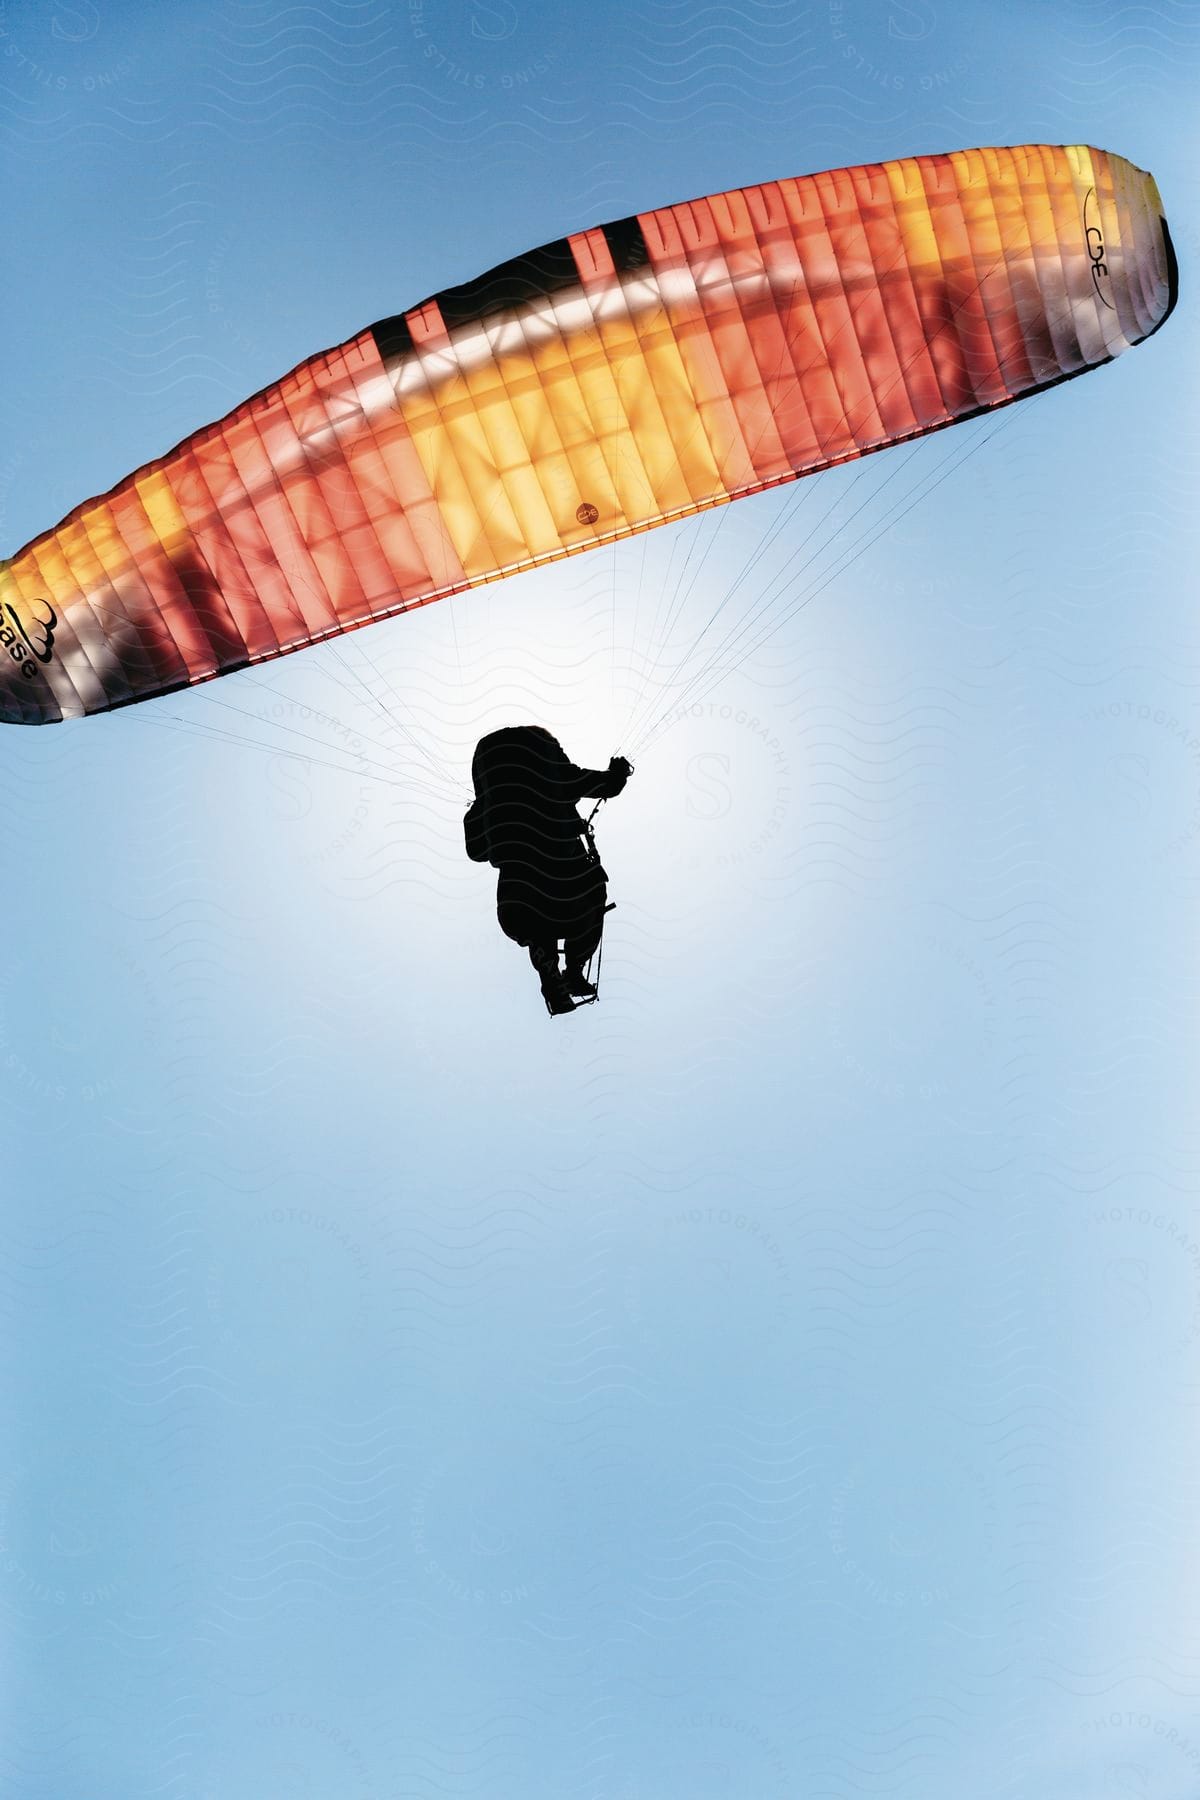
<point>552,885</point>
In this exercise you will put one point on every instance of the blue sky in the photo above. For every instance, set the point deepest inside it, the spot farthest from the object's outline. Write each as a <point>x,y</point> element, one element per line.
<point>778,1379</point>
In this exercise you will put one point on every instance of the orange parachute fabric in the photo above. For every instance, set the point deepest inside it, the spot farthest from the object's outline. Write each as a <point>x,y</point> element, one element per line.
<point>600,385</point>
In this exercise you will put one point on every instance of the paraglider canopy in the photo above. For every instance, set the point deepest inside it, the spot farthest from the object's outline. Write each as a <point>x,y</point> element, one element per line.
<point>612,380</point>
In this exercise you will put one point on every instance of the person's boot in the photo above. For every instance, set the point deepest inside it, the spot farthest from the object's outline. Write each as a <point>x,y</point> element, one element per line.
<point>556,996</point>
<point>579,985</point>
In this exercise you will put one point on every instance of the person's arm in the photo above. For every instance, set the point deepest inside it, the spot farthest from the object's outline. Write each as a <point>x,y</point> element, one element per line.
<point>599,784</point>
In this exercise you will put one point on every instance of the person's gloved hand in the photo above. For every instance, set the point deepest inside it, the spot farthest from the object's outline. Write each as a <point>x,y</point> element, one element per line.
<point>620,770</point>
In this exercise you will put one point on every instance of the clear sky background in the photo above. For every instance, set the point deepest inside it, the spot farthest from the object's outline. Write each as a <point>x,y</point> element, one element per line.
<point>781,1379</point>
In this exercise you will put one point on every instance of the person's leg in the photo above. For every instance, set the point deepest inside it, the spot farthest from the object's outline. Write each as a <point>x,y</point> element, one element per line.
<point>579,949</point>
<point>583,928</point>
<point>544,957</point>
<point>524,921</point>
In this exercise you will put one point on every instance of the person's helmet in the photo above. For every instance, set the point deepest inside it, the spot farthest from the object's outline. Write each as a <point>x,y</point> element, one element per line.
<point>515,754</point>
